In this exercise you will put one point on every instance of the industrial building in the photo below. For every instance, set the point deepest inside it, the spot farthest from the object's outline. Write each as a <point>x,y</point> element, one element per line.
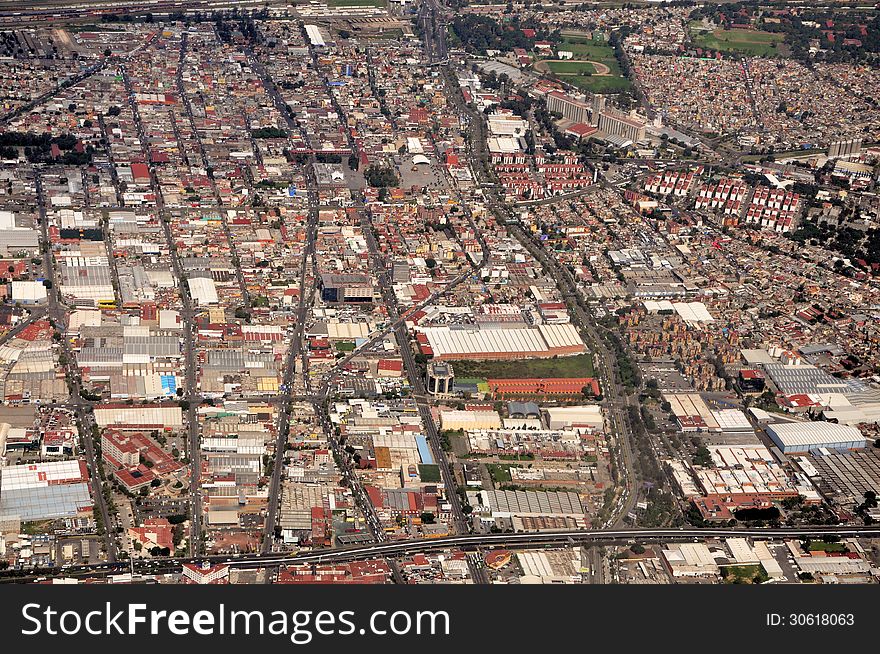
<point>28,292</point>
<point>749,471</point>
<point>125,417</point>
<point>808,380</point>
<point>529,510</point>
<point>804,437</point>
<point>691,412</point>
<point>86,279</point>
<point>315,36</point>
<point>690,312</point>
<point>203,290</point>
<point>690,560</point>
<point>469,420</point>
<point>45,491</point>
<point>843,477</point>
<point>564,417</point>
<point>468,342</point>
<point>565,386</point>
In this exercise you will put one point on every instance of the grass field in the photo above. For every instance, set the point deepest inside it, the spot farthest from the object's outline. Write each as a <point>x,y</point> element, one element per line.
<point>571,67</point>
<point>356,3</point>
<point>592,50</point>
<point>744,574</point>
<point>821,546</point>
<point>586,49</point>
<point>749,42</point>
<point>597,84</point>
<point>576,366</point>
<point>36,527</point>
<point>500,472</point>
<point>429,473</point>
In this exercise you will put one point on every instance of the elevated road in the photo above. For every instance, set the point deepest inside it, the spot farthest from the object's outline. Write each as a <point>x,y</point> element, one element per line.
<point>466,542</point>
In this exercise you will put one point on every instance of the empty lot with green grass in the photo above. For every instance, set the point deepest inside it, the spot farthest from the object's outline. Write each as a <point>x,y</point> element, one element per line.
<point>576,366</point>
<point>500,472</point>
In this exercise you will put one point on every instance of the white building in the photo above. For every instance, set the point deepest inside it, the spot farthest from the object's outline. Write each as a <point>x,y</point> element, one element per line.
<point>203,290</point>
<point>28,292</point>
<point>563,417</point>
<point>803,437</point>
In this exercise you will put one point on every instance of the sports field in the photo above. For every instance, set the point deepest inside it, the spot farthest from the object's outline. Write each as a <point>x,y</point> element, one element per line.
<point>593,66</point>
<point>571,67</point>
<point>748,42</point>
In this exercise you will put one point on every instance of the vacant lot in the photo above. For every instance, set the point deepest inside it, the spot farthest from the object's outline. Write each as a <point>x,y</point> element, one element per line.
<point>429,473</point>
<point>500,472</point>
<point>744,574</point>
<point>576,366</point>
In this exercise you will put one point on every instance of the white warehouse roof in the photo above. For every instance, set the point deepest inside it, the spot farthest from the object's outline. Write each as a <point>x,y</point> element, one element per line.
<point>203,290</point>
<point>28,291</point>
<point>139,416</point>
<point>566,416</point>
<point>805,436</point>
<point>315,36</point>
<point>538,341</point>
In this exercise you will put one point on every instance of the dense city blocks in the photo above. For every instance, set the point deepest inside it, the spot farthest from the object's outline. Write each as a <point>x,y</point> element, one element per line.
<point>439,292</point>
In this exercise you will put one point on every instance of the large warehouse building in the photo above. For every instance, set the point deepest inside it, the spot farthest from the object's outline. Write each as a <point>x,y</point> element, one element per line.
<point>564,417</point>
<point>803,437</point>
<point>123,416</point>
<point>468,342</point>
<point>45,491</point>
<point>469,420</point>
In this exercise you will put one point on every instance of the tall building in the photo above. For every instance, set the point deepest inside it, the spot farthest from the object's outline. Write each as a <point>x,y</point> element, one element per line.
<point>844,148</point>
<point>598,107</point>
<point>346,288</point>
<point>617,123</point>
<point>441,378</point>
<point>569,107</point>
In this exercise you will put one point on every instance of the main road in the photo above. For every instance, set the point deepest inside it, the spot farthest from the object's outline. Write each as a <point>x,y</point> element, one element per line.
<point>466,542</point>
<point>191,395</point>
<point>616,399</point>
<point>296,352</point>
<point>57,314</point>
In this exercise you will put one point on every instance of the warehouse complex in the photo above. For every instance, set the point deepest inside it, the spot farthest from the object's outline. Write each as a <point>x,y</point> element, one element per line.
<point>529,510</point>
